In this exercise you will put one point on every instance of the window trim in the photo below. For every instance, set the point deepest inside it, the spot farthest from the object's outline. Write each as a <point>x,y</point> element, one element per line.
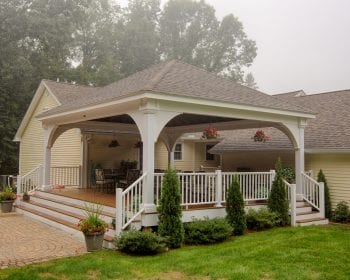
<point>206,152</point>
<point>181,152</point>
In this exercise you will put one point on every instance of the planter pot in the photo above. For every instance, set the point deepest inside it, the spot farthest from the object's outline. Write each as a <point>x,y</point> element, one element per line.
<point>94,241</point>
<point>26,197</point>
<point>6,206</point>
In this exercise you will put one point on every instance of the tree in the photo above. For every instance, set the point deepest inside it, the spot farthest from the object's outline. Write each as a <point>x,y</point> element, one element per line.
<point>249,81</point>
<point>235,208</point>
<point>327,199</point>
<point>170,224</point>
<point>278,201</point>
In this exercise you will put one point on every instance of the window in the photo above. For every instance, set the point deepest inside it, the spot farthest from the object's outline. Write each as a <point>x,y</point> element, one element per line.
<point>209,156</point>
<point>178,152</point>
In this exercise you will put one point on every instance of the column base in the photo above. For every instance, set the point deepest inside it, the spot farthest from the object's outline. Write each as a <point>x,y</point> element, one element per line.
<point>150,208</point>
<point>46,187</point>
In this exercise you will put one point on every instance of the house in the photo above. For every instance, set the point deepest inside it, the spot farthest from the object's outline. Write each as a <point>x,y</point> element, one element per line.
<point>68,129</point>
<point>327,142</point>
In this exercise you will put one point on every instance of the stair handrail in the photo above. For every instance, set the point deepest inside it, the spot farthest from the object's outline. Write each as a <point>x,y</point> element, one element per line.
<point>127,208</point>
<point>313,192</point>
<point>30,181</point>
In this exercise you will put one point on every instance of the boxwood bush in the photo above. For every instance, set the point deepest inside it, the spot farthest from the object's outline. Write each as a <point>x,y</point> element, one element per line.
<point>207,231</point>
<point>140,243</point>
<point>261,219</point>
<point>341,212</point>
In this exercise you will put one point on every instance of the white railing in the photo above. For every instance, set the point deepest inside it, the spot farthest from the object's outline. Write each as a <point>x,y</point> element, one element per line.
<point>196,188</point>
<point>313,192</point>
<point>291,195</point>
<point>254,185</point>
<point>65,175</point>
<point>30,181</point>
<point>129,203</point>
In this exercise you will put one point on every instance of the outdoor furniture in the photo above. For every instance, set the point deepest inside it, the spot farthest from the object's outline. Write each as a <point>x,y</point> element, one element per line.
<point>103,182</point>
<point>131,176</point>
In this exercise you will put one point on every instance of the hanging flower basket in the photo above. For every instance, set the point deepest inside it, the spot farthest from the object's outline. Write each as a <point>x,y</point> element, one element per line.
<point>210,133</point>
<point>260,136</point>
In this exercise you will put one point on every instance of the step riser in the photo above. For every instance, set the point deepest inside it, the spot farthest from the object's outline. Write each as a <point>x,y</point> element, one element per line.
<point>82,203</point>
<point>74,233</point>
<point>315,223</point>
<point>308,216</point>
<point>303,209</point>
<point>65,207</point>
<point>301,204</point>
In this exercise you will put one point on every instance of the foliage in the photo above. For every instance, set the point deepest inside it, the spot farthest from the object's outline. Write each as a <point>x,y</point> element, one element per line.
<point>235,208</point>
<point>288,173</point>
<point>7,194</point>
<point>140,243</point>
<point>277,201</point>
<point>261,219</point>
<point>327,198</point>
<point>170,224</point>
<point>260,136</point>
<point>308,251</point>
<point>97,43</point>
<point>341,212</point>
<point>207,231</point>
<point>210,133</point>
<point>92,223</point>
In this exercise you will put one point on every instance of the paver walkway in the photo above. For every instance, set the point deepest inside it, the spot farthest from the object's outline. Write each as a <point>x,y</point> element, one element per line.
<point>24,241</point>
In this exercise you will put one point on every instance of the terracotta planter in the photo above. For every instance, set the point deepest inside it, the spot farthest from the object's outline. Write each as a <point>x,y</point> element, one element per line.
<point>6,206</point>
<point>94,241</point>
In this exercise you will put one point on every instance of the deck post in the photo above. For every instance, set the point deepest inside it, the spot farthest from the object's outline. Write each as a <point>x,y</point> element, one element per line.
<point>322,202</point>
<point>293,201</point>
<point>119,211</point>
<point>218,188</point>
<point>300,158</point>
<point>19,184</point>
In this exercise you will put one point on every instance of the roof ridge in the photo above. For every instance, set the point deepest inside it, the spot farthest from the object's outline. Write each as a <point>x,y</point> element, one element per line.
<point>69,84</point>
<point>159,75</point>
<point>290,92</point>
<point>329,92</point>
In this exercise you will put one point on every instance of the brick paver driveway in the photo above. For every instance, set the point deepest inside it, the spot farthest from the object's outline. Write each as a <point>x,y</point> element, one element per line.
<point>24,241</point>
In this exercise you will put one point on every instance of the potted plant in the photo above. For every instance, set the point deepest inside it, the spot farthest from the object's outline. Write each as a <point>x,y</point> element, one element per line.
<point>260,136</point>
<point>26,196</point>
<point>93,228</point>
<point>210,133</point>
<point>7,197</point>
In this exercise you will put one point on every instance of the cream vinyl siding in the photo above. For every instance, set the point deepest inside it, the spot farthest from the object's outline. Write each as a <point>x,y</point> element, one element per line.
<point>336,167</point>
<point>255,161</point>
<point>66,150</point>
<point>193,157</point>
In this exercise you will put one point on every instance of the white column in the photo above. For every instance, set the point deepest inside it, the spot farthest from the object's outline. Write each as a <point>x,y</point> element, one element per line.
<point>218,188</point>
<point>84,160</point>
<point>299,158</point>
<point>171,161</point>
<point>48,136</point>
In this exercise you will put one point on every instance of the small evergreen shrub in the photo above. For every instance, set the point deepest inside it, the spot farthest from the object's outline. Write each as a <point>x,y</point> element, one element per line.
<point>235,208</point>
<point>170,224</point>
<point>207,231</point>
<point>277,201</point>
<point>261,219</point>
<point>341,212</point>
<point>327,199</point>
<point>288,173</point>
<point>140,243</point>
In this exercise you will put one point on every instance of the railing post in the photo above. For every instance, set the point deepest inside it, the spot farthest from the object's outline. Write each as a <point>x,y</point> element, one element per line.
<point>119,211</point>
<point>293,201</point>
<point>218,193</point>
<point>40,183</point>
<point>19,184</point>
<point>321,194</point>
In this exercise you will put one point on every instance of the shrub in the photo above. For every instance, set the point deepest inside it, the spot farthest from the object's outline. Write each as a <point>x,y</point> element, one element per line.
<point>277,201</point>
<point>261,219</point>
<point>327,199</point>
<point>235,208</point>
<point>170,224</point>
<point>341,212</point>
<point>207,231</point>
<point>140,243</point>
<point>288,174</point>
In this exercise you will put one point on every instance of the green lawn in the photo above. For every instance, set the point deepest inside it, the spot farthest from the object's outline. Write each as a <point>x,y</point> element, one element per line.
<point>285,253</point>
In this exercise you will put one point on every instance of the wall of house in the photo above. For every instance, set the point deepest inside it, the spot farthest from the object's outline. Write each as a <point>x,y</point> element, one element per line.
<point>100,154</point>
<point>193,157</point>
<point>336,167</point>
<point>66,150</point>
<point>255,161</point>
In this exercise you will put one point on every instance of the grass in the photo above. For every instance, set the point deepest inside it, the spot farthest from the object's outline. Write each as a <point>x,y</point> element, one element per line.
<point>282,253</point>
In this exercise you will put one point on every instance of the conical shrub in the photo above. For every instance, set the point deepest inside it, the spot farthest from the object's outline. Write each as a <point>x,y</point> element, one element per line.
<point>327,199</point>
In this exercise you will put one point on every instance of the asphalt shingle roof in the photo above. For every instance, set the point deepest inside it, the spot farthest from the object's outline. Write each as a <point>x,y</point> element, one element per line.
<point>171,78</point>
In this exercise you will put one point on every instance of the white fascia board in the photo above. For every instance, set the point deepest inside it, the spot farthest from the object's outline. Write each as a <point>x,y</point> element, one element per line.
<point>32,106</point>
<point>213,103</point>
<point>327,151</point>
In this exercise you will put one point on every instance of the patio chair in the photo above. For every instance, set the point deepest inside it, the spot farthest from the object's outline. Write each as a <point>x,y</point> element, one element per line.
<point>131,176</point>
<point>101,180</point>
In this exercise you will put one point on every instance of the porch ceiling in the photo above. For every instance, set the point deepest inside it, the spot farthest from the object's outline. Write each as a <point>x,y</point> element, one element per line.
<point>181,120</point>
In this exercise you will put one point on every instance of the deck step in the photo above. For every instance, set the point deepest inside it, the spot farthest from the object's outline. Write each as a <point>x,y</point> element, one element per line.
<point>314,221</point>
<point>60,223</point>
<point>307,215</point>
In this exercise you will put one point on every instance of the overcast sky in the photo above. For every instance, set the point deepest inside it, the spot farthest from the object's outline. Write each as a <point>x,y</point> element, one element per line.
<point>302,44</point>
